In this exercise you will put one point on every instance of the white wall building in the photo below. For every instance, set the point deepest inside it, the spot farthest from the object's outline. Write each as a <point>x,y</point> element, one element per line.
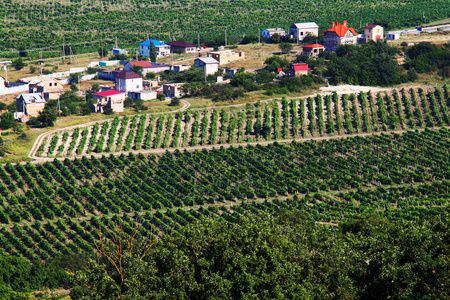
<point>128,81</point>
<point>300,30</point>
<point>208,64</point>
<point>267,33</point>
<point>161,48</point>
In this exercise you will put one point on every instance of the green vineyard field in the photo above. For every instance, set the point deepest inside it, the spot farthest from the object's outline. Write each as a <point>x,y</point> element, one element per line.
<point>59,207</point>
<point>327,116</point>
<point>41,23</point>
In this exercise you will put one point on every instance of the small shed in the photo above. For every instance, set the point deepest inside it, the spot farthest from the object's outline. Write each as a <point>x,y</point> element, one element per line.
<point>299,69</point>
<point>313,49</point>
<point>392,36</point>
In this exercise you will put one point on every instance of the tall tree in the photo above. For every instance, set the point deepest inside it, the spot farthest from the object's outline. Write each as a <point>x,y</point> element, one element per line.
<point>152,52</point>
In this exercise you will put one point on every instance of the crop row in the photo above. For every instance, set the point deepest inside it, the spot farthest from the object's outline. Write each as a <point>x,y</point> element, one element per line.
<point>320,116</point>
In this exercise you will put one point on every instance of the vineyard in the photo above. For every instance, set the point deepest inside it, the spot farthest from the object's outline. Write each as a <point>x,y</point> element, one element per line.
<point>319,116</point>
<point>87,24</point>
<point>59,207</point>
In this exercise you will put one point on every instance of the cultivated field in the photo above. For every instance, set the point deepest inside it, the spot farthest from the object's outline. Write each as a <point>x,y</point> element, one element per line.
<point>60,207</point>
<point>321,116</point>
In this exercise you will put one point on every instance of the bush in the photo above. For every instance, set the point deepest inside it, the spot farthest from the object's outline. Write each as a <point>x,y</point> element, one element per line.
<point>161,97</point>
<point>108,111</point>
<point>175,102</point>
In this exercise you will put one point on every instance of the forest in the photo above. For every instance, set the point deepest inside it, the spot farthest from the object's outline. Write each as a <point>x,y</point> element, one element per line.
<point>87,25</point>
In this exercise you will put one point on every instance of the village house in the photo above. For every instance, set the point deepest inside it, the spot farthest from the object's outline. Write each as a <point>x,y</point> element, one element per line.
<point>267,33</point>
<point>172,90</point>
<point>298,69</point>
<point>208,64</point>
<point>231,72</point>
<point>147,66</point>
<point>161,48</point>
<point>2,83</point>
<point>180,68</point>
<point>29,104</point>
<point>226,56</point>
<point>300,30</point>
<point>392,36</point>
<point>313,49</point>
<point>373,32</point>
<point>108,99</point>
<point>143,95</point>
<point>128,81</point>
<point>182,47</point>
<point>339,34</point>
<point>48,87</point>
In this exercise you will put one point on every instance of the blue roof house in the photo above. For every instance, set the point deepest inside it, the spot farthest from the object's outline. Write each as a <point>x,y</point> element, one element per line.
<point>161,48</point>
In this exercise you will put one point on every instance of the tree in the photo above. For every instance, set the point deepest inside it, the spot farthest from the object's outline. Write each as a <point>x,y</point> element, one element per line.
<point>138,70</point>
<point>249,38</point>
<point>33,69</point>
<point>412,74</point>
<point>18,64</point>
<point>47,116</point>
<point>75,77</point>
<point>152,52</point>
<point>108,111</point>
<point>161,97</point>
<point>95,87</point>
<point>175,101</point>
<point>285,47</point>
<point>275,38</point>
<point>7,120</point>
<point>150,76</point>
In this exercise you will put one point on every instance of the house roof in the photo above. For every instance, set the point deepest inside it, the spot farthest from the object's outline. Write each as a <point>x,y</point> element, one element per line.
<point>181,44</point>
<point>28,96</point>
<point>340,30</point>
<point>274,29</point>
<point>304,25</point>
<point>155,42</point>
<point>141,63</point>
<point>41,80</point>
<point>128,75</point>
<point>314,46</point>
<point>108,93</point>
<point>208,60</point>
<point>300,67</point>
<point>370,26</point>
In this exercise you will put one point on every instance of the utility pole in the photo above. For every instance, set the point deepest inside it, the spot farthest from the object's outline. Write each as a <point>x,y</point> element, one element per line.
<point>262,65</point>
<point>64,53</point>
<point>198,39</point>
<point>58,108</point>
<point>259,36</point>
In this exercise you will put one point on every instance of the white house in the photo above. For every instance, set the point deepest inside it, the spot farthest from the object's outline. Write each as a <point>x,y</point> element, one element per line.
<point>30,104</point>
<point>108,99</point>
<point>2,83</point>
<point>208,64</point>
<point>161,48</point>
<point>128,81</point>
<point>300,30</point>
<point>267,33</point>
<point>392,36</point>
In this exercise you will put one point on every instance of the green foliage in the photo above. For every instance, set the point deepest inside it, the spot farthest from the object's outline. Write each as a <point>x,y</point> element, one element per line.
<point>285,47</point>
<point>174,102</point>
<point>18,64</point>
<point>368,64</point>
<point>47,116</point>
<point>274,62</point>
<point>138,70</point>
<point>108,111</point>
<point>249,39</point>
<point>275,38</point>
<point>161,97</point>
<point>150,75</point>
<point>6,120</point>
<point>152,52</point>
<point>427,57</point>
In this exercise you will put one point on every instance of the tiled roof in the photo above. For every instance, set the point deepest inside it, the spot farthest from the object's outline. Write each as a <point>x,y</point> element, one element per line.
<point>341,30</point>
<point>314,46</point>
<point>181,44</point>
<point>128,75</point>
<point>155,42</point>
<point>108,93</point>
<point>370,26</point>
<point>141,63</point>
<point>300,67</point>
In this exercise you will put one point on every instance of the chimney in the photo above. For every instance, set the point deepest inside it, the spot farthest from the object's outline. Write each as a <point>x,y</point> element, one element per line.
<point>367,24</point>
<point>345,23</point>
<point>332,24</point>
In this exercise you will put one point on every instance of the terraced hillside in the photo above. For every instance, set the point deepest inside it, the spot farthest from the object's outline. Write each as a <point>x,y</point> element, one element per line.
<point>29,24</point>
<point>59,207</point>
<point>331,115</point>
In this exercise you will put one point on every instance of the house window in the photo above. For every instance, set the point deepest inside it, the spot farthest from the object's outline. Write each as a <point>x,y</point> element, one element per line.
<point>50,84</point>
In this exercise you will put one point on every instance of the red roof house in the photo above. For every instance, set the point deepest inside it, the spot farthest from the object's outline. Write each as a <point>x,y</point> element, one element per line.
<point>299,69</point>
<point>339,34</point>
<point>108,99</point>
<point>313,49</point>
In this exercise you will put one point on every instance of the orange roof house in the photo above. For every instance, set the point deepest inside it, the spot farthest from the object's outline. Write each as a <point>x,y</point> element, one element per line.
<point>339,34</point>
